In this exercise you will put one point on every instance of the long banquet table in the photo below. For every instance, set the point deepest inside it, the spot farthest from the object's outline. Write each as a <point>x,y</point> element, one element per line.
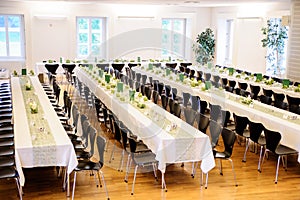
<point>287,123</point>
<point>185,144</point>
<point>40,139</point>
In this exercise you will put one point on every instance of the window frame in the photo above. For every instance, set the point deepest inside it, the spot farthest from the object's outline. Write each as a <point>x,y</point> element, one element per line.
<point>22,56</point>
<point>90,32</point>
<point>184,35</point>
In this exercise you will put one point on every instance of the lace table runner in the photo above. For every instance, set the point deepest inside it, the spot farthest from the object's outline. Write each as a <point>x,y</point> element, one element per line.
<point>43,142</point>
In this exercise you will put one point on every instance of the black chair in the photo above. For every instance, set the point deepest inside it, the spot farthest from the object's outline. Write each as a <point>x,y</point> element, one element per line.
<point>279,101</point>
<point>155,96</point>
<point>229,138</point>
<point>118,66</point>
<point>177,109</point>
<point>207,76</point>
<point>102,65</point>
<point>10,172</point>
<point>224,82</point>
<point>171,103</point>
<point>164,101</point>
<point>255,89</point>
<point>84,165</point>
<point>232,83</point>
<point>203,123</point>
<point>241,124</point>
<point>148,92</point>
<point>215,112</point>
<point>131,65</point>
<point>69,68</point>
<point>189,115</point>
<point>267,92</point>
<point>255,130</point>
<point>168,90</point>
<point>195,103</point>
<point>171,65</point>
<point>265,99</point>
<point>141,159</point>
<point>273,145</point>
<point>293,103</point>
<point>215,130</point>
<point>186,98</point>
<point>243,86</point>
<point>203,106</point>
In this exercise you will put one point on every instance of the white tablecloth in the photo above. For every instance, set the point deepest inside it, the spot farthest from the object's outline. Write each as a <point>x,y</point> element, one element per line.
<point>288,129</point>
<point>168,149</point>
<point>64,151</point>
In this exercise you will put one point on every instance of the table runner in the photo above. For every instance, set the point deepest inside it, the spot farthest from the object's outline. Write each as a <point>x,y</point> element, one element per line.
<point>43,142</point>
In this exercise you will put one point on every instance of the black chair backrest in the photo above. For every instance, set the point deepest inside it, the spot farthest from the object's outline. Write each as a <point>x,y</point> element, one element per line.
<point>228,137</point>
<point>207,76</point>
<point>171,105</point>
<point>155,96</point>
<point>118,66</point>
<point>215,112</point>
<point>278,96</point>
<point>52,68</point>
<point>255,130</point>
<point>190,115</point>
<point>272,139</point>
<point>177,109</point>
<point>267,92</point>
<point>102,65</point>
<point>203,106</point>
<point>148,92</point>
<point>241,123</point>
<point>117,132</point>
<point>224,81</point>
<point>203,123</point>
<point>293,100</point>
<point>232,83</point>
<point>168,90</point>
<point>92,137</point>
<point>243,86</point>
<point>164,101</point>
<point>195,102</point>
<point>215,130</point>
<point>101,146</point>
<point>186,97</point>
<point>171,65</point>
<point>265,99</point>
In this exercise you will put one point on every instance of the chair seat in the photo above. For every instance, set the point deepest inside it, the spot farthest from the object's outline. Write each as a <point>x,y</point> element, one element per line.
<point>144,158</point>
<point>5,151</point>
<point>261,141</point>
<point>6,142</point>
<point>284,150</point>
<point>87,165</point>
<point>220,155</point>
<point>6,161</point>
<point>8,172</point>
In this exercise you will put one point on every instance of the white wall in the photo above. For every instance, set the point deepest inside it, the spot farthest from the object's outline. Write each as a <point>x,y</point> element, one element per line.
<point>248,53</point>
<point>50,38</point>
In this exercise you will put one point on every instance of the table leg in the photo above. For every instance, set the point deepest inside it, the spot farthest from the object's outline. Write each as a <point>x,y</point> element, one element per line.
<point>163,182</point>
<point>68,185</point>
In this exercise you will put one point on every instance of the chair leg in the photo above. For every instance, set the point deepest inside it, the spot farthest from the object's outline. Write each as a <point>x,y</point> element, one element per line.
<point>262,162</point>
<point>136,167</point>
<point>102,176</point>
<point>121,161</point>
<point>112,153</point>
<point>220,167</point>
<point>277,168</point>
<point>260,155</point>
<point>19,188</point>
<point>128,168</point>
<point>154,171</point>
<point>194,169</point>
<point>246,149</point>
<point>74,183</point>
<point>100,183</point>
<point>233,172</point>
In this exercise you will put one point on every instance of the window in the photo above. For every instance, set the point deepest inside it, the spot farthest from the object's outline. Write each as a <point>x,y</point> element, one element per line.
<point>173,37</point>
<point>276,64</point>
<point>12,45</point>
<point>91,34</point>
<point>229,41</point>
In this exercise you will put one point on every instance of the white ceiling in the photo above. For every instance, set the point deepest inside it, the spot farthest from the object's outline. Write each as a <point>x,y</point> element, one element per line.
<point>190,3</point>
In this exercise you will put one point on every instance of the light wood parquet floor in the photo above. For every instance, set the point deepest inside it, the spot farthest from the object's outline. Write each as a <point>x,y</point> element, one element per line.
<point>43,183</point>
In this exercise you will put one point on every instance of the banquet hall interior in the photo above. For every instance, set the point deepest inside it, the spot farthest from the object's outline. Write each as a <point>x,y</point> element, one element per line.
<point>128,99</point>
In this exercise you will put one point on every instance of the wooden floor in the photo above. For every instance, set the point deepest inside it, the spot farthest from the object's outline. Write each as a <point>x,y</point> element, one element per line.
<point>43,183</point>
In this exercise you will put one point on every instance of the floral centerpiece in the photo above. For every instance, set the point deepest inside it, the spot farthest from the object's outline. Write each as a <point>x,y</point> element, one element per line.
<point>28,85</point>
<point>297,89</point>
<point>246,100</point>
<point>33,107</point>
<point>15,73</point>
